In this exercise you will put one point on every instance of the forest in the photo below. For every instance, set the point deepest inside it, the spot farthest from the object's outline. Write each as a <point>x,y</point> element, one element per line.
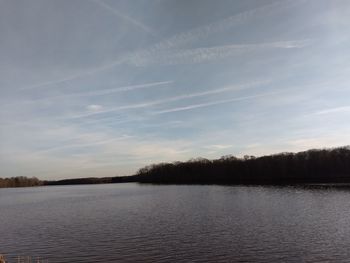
<point>19,181</point>
<point>312,166</point>
<point>92,180</point>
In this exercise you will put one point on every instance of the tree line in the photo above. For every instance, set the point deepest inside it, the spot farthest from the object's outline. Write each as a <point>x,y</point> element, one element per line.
<point>312,166</point>
<point>92,180</point>
<point>20,181</point>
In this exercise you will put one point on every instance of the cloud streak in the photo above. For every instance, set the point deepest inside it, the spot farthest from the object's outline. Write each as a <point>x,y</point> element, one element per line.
<point>344,109</point>
<point>201,105</point>
<point>75,76</point>
<point>217,27</point>
<point>82,145</point>
<point>178,40</point>
<point>199,55</point>
<point>111,90</point>
<point>172,99</point>
<point>125,17</point>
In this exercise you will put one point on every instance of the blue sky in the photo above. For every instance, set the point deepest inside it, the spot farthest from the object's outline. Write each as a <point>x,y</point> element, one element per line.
<point>103,88</point>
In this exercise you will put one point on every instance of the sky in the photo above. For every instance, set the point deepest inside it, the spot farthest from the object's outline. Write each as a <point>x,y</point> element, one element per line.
<point>103,88</point>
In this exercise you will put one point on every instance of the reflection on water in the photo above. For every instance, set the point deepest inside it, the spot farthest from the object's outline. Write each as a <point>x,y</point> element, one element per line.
<point>146,223</point>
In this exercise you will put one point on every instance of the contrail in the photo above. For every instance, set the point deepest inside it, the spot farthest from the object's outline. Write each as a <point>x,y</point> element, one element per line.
<point>108,91</point>
<point>76,76</point>
<point>122,89</point>
<point>219,26</point>
<point>82,145</point>
<point>333,110</point>
<point>172,99</point>
<point>201,105</point>
<point>172,42</point>
<point>199,55</point>
<point>124,16</point>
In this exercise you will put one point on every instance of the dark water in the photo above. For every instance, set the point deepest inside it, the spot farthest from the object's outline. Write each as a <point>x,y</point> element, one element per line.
<point>145,223</point>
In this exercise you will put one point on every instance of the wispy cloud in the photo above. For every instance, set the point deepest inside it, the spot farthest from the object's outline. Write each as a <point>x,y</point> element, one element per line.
<point>219,146</point>
<point>125,88</point>
<point>94,108</point>
<point>82,144</point>
<point>217,102</point>
<point>344,109</point>
<point>124,16</point>
<point>335,140</point>
<point>175,98</point>
<point>75,75</point>
<point>199,55</point>
<point>93,93</point>
<point>217,27</point>
<point>102,92</point>
<point>138,57</point>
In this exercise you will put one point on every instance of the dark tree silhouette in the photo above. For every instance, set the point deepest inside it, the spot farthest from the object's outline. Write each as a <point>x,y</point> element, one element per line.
<point>313,166</point>
<point>19,182</point>
<point>93,180</point>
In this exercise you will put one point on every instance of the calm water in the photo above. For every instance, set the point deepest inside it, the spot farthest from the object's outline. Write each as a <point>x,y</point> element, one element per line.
<point>145,223</point>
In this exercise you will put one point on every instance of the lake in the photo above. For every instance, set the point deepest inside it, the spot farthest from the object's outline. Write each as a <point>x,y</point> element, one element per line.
<point>175,223</point>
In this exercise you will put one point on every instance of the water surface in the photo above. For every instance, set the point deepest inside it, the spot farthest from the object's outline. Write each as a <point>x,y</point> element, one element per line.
<point>149,223</point>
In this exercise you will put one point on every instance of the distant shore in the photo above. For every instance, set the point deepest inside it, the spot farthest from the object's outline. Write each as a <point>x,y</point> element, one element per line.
<point>323,166</point>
